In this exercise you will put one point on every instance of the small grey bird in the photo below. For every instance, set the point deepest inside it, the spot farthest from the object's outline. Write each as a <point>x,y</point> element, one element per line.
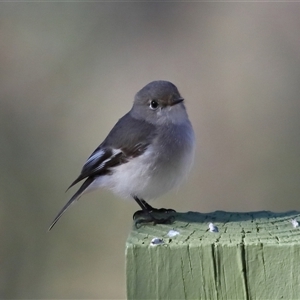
<point>147,153</point>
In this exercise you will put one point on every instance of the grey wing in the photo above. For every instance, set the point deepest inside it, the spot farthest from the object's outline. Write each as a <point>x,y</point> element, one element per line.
<point>100,163</point>
<point>128,139</point>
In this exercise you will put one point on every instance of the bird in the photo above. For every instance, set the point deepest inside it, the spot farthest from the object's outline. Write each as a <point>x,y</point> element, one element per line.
<point>148,152</point>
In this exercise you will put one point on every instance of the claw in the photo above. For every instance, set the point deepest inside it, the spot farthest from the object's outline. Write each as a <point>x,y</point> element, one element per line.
<point>137,214</point>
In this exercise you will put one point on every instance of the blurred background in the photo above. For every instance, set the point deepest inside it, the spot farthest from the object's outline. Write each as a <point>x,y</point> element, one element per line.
<point>69,71</point>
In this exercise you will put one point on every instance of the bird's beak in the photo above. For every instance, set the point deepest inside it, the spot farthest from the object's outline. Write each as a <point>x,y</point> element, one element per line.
<point>176,101</point>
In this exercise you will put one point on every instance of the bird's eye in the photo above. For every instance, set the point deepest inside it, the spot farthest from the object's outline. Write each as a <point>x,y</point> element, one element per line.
<point>153,104</point>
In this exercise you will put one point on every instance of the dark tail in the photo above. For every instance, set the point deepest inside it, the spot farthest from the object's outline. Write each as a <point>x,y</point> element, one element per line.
<point>75,197</point>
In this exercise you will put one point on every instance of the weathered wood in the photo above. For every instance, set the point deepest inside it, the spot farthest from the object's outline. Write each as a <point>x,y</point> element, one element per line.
<point>254,255</point>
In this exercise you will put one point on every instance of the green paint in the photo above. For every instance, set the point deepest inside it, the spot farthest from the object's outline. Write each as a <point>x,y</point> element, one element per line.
<point>254,255</point>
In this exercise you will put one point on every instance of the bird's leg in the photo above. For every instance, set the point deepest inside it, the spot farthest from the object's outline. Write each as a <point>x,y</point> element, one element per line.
<point>149,214</point>
<point>161,210</point>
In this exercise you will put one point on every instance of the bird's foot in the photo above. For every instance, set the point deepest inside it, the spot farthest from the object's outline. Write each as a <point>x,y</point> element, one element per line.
<point>154,215</point>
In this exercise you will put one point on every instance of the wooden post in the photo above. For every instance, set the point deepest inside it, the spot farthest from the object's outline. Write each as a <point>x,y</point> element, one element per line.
<point>254,255</point>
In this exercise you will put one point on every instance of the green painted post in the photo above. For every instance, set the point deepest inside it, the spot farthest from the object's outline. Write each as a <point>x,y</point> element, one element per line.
<point>254,255</point>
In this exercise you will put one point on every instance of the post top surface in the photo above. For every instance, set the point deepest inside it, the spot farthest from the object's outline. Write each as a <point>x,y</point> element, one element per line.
<point>194,228</point>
